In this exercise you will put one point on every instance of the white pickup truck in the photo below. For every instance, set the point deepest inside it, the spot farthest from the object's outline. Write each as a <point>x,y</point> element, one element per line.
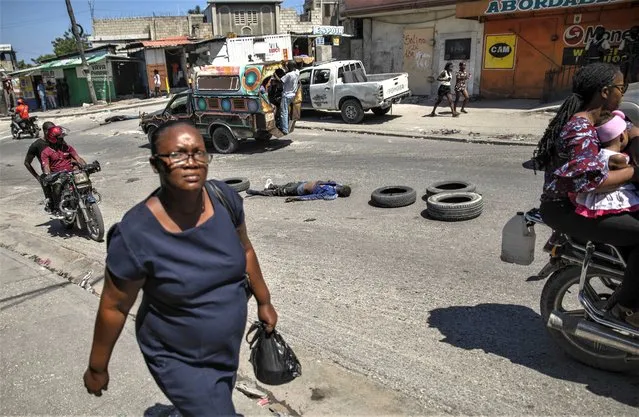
<point>345,86</point>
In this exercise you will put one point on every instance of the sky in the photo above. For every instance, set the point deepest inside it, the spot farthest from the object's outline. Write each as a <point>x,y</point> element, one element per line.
<point>30,26</point>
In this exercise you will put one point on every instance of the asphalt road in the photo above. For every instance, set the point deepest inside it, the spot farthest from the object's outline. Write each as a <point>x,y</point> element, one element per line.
<point>423,307</point>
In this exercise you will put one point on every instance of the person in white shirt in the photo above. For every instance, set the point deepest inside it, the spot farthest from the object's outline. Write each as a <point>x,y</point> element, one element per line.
<point>444,78</point>
<point>290,83</point>
<point>157,82</point>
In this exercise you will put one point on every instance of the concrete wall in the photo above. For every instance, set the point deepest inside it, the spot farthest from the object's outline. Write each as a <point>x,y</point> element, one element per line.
<point>290,21</point>
<point>122,30</point>
<point>387,39</point>
<point>245,19</point>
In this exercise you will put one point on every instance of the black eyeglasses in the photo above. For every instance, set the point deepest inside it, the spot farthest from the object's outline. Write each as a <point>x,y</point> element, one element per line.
<point>200,157</point>
<point>621,87</point>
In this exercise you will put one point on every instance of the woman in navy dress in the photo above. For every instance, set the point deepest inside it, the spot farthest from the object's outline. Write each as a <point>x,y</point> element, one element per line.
<point>180,246</point>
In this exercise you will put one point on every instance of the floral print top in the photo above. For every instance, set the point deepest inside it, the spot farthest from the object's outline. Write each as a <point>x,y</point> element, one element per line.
<point>575,167</point>
<point>460,80</point>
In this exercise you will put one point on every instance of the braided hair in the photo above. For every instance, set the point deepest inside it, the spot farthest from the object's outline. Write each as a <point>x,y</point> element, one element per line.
<point>587,82</point>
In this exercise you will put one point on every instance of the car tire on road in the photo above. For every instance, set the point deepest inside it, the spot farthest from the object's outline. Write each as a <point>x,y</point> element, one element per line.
<point>455,206</point>
<point>224,141</point>
<point>352,111</point>
<point>378,111</point>
<point>149,132</point>
<point>393,196</point>
<point>450,186</point>
<point>239,184</point>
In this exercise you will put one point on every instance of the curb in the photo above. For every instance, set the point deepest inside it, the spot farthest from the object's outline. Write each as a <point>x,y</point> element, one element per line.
<point>417,136</point>
<point>108,109</point>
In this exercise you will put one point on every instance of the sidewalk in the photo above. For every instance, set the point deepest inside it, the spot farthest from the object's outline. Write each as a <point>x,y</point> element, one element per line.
<point>98,108</point>
<point>486,124</point>
<point>47,325</point>
<point>46,330</point>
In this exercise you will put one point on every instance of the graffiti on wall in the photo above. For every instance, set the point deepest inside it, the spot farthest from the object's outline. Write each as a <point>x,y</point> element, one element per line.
<point>417,49</point>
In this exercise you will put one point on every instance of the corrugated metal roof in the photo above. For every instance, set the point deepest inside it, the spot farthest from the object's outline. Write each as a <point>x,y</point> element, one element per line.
<point>71,62</point>
<point>162,43</point>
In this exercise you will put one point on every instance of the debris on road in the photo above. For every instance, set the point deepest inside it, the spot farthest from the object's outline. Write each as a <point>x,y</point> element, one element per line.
<point>119,118</point>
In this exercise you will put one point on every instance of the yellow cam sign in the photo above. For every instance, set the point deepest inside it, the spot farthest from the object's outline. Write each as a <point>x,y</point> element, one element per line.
<point>500,51</point>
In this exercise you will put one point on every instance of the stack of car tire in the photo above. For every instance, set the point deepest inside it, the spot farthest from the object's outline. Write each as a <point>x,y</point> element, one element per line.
<point>445,200</point>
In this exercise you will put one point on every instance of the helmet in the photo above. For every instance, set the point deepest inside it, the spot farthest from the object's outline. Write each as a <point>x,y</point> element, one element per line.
<point>20,101</point>
<point>54,134</point>
<point>46,126</point>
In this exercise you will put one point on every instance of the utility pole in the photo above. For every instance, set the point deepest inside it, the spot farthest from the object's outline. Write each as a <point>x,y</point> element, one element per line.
<point>85,66</point>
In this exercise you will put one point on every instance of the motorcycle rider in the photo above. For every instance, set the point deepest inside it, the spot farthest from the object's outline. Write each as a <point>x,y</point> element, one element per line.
<point>569,153</point>
<point>21,114</point>
<point>58,156</point>
<point>33,152</point>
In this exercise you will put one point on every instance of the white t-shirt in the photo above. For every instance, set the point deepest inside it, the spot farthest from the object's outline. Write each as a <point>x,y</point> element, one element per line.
<point>156,79</point>
<point>445,78</point>
<point>290,81</point>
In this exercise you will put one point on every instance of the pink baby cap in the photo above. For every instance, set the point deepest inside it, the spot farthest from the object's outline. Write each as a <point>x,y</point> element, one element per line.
<point>613,127</point>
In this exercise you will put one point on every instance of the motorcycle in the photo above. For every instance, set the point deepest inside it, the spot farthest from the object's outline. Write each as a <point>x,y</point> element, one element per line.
<point>30,126</point>
<point>582,326</point>
<point>78,202</point>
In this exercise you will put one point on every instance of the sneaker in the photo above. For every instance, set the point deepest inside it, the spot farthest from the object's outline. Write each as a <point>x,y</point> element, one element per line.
<point>626,315</point>
<point>268,184</point>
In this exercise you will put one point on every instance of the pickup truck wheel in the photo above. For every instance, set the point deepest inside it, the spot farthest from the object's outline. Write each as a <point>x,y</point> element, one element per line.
<point>352,111</point>
<point>149,132</point>
<point>380,111</point>
<point>223,141</point>
<point>263,136</point>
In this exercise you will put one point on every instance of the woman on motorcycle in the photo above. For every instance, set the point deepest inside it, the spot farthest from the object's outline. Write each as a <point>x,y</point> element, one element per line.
<point>568,153</point>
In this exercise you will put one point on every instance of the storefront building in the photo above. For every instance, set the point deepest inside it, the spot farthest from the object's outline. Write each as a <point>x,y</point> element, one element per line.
<point>416,37</point>
<point>532,48</point>
<point>110,77</point>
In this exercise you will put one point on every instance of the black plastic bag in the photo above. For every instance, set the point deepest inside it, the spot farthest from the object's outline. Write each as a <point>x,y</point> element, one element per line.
<point>274,362</point>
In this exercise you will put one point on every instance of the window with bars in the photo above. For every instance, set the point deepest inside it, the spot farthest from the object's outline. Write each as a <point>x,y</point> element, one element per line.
<point>248,17</point>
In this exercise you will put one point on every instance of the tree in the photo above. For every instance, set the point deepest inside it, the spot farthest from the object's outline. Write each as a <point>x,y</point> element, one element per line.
<point>23,65</point>
<point>195,10</point>
<point>41,58</point>
<point>66,44</point>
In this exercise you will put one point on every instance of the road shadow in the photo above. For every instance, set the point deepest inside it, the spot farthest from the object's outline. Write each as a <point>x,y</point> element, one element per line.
<point>56,229</point>
<point>15,300</point>
<point>336,117</point>
<point>517,333</point>
<point>161,410</point>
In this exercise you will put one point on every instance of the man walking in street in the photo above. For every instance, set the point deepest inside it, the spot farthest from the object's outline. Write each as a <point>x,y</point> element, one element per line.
<point>290,82</point>
<point>304,190</point>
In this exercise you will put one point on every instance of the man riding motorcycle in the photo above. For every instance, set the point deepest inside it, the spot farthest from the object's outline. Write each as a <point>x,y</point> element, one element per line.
<point>21,114</point>
<point>58,156</point>
<point>34,152</point>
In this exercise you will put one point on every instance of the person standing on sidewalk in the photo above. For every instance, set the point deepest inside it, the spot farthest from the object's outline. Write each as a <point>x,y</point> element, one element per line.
<point>157,82</point>
<point>461,77</point>
<point>42,93</point>
<point>444,90</point>
<point>290,82</point>
<point>190,252</point>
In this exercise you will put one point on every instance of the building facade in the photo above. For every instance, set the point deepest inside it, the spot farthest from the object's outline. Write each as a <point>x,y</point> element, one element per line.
<point>243,17</point>
<point>8,61</point>
<point>533,48</point>
<point>121,31</point>
<point>417,37</point>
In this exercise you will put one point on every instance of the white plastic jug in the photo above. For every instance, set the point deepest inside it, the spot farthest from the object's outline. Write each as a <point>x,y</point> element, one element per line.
<point>518,241</point>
